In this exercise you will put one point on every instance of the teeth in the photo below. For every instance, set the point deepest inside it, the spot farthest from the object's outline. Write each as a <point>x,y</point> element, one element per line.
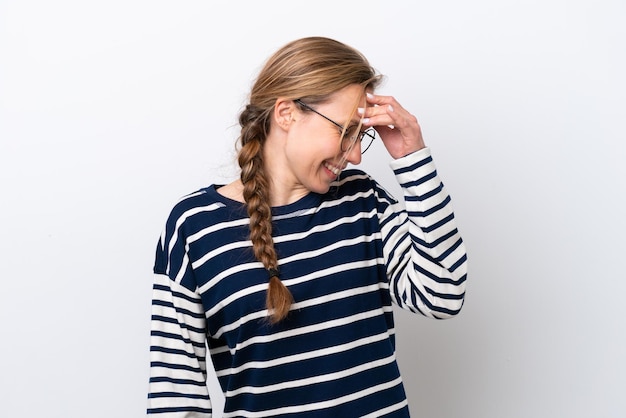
<point>334,169</point>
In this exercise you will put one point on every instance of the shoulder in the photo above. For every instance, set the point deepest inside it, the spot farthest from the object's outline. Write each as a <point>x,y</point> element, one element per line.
<point>190,214</point>
<point>194,202</point>
<point>354,184</point>
<point>358,182</point>
<point>200,209</point>
<point>354,179</point>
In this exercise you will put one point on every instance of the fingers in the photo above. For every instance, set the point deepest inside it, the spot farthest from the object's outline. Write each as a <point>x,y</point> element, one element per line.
<point>377,115</point>
<point>385,112</point>
<point>398,128</point>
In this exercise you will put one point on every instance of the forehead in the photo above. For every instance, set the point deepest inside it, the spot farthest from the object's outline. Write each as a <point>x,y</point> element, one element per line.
<point>343,103</point>
<point>352,96</point>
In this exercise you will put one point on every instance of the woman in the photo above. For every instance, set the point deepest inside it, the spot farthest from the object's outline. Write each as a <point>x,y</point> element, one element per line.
<point>288,273</point>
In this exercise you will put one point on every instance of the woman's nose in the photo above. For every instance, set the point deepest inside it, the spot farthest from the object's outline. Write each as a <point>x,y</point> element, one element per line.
<point>353,154</point>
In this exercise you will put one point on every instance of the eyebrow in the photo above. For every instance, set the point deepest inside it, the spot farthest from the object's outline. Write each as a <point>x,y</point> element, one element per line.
<point>341,126</point>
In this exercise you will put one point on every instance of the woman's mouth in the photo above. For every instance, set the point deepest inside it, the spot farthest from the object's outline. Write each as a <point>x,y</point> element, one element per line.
<point>333,168</point>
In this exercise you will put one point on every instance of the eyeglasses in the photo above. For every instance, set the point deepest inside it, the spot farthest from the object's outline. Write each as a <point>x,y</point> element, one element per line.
<point>351,135</point>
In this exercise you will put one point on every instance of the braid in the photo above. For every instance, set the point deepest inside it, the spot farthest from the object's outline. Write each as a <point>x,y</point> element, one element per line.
<point>313,68</point>
<point>256,195</point>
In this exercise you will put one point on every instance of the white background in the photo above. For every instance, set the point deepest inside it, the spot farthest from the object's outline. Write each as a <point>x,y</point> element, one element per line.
<point>110,111</point>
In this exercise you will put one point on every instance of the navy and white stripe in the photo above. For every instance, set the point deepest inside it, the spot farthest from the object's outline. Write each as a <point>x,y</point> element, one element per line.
<point>345,255</point>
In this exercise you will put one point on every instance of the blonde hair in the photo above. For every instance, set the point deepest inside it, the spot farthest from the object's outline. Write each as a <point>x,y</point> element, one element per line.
<point>311,69</point>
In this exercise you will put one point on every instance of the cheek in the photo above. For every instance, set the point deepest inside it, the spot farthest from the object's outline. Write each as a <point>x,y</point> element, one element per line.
<point>312,143</point>
<point>297,150</point>
<point>309,148</point>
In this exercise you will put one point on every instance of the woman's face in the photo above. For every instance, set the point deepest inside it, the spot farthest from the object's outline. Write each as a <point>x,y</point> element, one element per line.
<point>313,153</point>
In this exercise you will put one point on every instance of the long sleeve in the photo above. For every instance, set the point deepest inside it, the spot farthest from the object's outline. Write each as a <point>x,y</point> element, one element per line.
<point>177,387</point>
<point>425,255</point>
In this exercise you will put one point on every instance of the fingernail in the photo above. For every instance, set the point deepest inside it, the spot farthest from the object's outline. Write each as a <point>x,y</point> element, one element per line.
<point>390,108</point>
<point>369,95</point>
<point>366,121</point>
<point>360,110</point>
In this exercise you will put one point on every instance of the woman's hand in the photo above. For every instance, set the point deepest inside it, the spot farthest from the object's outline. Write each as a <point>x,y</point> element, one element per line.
<point>397,128</point>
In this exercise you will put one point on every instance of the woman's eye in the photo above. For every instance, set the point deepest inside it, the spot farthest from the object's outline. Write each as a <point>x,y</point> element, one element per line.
<point>351,131</point>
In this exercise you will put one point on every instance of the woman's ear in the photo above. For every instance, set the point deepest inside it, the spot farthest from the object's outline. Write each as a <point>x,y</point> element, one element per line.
<point>285,111</point>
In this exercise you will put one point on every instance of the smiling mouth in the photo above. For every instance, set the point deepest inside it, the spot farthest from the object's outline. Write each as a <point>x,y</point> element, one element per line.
<point>334,169</point>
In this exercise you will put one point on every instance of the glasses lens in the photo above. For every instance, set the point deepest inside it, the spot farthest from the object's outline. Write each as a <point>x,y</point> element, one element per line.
<point>349,140</point>
<point>367,137</point>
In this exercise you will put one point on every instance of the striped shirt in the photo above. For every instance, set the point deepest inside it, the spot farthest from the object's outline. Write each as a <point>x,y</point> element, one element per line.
<point>346,256</point>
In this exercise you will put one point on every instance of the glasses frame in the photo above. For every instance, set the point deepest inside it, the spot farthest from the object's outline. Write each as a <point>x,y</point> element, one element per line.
<point>369,132</point>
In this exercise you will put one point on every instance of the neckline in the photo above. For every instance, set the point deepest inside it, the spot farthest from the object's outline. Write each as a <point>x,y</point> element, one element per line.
<point>308,200</point>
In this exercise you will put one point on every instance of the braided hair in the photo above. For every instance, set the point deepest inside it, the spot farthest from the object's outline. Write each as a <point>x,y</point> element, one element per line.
<point>310,68</point>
